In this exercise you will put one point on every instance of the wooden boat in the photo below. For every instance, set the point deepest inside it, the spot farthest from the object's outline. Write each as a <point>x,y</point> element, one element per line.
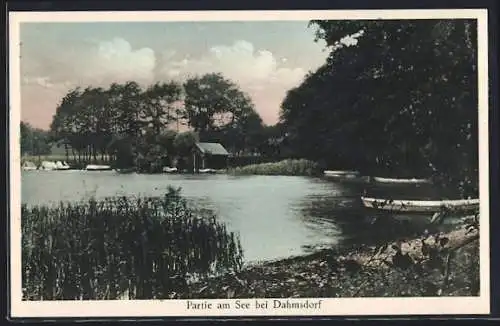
<point>347,177</point>
<point>207,171</point>
<point>168,169</point>
<point>401,181</point>
<point>417,206</point>
<point>339,173</point>
<point>61,166</point>
<point>48,166</point>
<point>29,166</point>
<point>94,167</point>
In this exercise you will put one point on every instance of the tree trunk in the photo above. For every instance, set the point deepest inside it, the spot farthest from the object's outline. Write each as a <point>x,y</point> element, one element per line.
<point>67,151</point>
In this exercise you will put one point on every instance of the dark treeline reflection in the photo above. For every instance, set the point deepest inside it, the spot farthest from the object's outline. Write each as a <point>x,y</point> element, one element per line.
<point>359,225</point>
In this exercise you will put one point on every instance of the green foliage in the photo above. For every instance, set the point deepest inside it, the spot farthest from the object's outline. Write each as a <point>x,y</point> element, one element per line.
<point>153,151</point>
<point>244,160</point>
<point>34,141</point>
<point>146,247</point>
<point>207,99</point>
<point>289,167</point>
<point>157,110</point>
<point>132,125</point>
<point>184,142</point>
<point>219,111</point>
<point>401,101</point>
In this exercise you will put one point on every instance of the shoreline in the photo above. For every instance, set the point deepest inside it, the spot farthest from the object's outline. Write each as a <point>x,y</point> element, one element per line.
<point>347,272</point>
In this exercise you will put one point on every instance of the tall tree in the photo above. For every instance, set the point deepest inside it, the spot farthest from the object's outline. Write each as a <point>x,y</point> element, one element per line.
<point>34,141</point>
<point>158,110</point>
<point>218,110</point>
<point>207,99</point>
<point>402,98</point>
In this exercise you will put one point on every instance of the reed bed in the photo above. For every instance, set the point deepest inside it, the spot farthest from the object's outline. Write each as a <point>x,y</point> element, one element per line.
<point>135,248</point>
<point>289,167</point>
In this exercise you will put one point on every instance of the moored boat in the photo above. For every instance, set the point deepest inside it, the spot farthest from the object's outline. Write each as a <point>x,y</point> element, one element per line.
<point>95,167</point>
<point>48,166</point>
<point>338,173</point>
<point>61,166</point>
<point>400,181</point>
<point>347,177</point>
<point>168,169</point>
<point>29,166</point>
<point>418,206</point>
<point>207,171</point>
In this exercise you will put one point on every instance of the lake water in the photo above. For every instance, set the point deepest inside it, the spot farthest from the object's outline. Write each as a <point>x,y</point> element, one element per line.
<point>275,216</point>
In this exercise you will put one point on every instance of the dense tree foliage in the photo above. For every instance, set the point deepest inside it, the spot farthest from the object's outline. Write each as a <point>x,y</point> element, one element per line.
<point>136,127</point>
<point>218,110</point>
<point>34,141</point>
<point>402,100</point>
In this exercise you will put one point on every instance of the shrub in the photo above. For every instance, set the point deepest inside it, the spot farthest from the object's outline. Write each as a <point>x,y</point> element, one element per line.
<point>295,167</point>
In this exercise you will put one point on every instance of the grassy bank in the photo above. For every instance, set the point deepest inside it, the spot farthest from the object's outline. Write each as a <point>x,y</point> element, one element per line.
<point>290,167</point>
<point>144,248</point>
<point>355,272</point>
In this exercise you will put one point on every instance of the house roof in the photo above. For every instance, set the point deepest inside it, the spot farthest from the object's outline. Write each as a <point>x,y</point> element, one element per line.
<point>212,149</point>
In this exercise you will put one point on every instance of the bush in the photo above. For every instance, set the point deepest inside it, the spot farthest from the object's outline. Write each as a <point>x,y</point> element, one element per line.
<point>239,161</point>
<point>299,167</point>
<point>144,247</point>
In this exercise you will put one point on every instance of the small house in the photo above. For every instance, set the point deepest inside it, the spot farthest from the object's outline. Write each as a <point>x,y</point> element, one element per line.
<point>209,156</point>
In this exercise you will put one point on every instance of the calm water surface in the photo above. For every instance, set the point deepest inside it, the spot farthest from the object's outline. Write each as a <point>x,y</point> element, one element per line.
<point>275,216</point>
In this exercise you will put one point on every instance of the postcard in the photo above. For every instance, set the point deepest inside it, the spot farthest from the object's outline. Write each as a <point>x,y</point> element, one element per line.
<point>249,163</point>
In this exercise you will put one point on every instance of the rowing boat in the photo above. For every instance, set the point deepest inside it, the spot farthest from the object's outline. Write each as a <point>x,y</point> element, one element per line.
<point>420,205</point>
<point>207,171</point>
<point>167,169</point>
<point>93,167</point>
<point>338,173</point>
<point>401,181</point>
<point>48,166</point>
<point>29,166</point>
<point>62,166</point>
<point>347,177</point>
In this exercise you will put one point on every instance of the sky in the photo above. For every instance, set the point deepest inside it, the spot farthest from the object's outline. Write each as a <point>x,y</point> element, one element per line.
<point>265,58</point>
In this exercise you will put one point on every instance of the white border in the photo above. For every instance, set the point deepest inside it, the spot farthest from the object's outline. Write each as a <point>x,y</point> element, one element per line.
<point>163,308</point>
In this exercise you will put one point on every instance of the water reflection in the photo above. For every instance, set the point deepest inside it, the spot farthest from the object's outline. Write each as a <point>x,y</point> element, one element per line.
<point>276,217</point>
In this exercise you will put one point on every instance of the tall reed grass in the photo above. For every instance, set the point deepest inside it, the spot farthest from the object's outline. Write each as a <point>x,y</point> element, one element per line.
<point>142,248</point>
<point>290,167</point>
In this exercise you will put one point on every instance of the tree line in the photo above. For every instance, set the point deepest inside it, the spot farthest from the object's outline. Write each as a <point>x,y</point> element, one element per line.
<point>134,126</point>
<point>34,141</point>
<point>402,101</point>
